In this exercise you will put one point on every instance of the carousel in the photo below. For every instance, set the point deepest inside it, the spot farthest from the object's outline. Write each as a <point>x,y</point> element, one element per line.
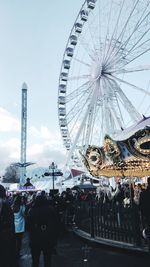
<point>127,155</point>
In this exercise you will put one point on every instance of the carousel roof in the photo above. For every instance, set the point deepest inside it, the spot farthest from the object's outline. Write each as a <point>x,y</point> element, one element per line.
<point>126,133</point>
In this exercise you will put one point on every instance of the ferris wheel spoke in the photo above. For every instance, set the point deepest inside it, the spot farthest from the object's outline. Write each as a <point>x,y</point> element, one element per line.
<point>147,110</point>
<point>92,36</point>
<point>114,104</point>
<point>137,50</point>
<point>78,77</point>
<point>78,105</point>
<point>78,91</point>
<point>129,56</point>
<point>90,118</point>
<point>115,116</point>
<point>81,61</point>
<point>130,70</point>
<point>111,111</point>
<point>144,99</point>
<point>99,24</point>
<point>82,124</point>
<point>106,112</point>
<point>86,47</point>
<point>137,55</point>
<point>74,112</point>
<point>140,25</point>
<point>141,37</point>
<point>77,117</point>
<point>140,51</point>
<point>120,36</point>
<point>131,85</point>
<point>134,114</point>
<point>90,45</point>
<point>113,34</point>
<point>123,31</point>
<point>107,32</point>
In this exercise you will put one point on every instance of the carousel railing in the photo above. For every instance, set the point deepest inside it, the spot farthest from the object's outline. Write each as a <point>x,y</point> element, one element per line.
<point>111,221</point>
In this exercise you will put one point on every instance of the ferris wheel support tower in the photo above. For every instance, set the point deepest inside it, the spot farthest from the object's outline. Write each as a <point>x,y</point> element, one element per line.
<point>23,133</point>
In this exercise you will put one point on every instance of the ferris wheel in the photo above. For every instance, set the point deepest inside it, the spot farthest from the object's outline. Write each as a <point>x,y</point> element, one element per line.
<point>104,76</point>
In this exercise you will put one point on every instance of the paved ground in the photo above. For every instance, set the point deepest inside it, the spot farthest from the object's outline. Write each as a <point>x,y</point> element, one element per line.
<point>74,252</point>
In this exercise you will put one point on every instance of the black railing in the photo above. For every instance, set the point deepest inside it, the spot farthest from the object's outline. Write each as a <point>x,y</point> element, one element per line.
<point>110,221</point>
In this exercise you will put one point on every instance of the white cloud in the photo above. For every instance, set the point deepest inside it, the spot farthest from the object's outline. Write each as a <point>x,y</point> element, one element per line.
<point>45,133</point>
<point>9,152</point>
<point>43,145</point>
<point>33,132</point>
<point>8,122</point>
<point>46,152</point>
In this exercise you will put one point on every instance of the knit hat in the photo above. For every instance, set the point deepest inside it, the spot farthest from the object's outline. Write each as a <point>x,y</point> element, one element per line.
<point>2,191</point>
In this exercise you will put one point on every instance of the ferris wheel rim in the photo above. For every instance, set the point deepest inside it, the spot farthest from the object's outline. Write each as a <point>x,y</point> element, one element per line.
<point>64,56</point>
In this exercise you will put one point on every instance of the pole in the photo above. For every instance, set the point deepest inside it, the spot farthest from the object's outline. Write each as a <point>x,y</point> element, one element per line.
<point>23,133</point>
<point>92,217</point>
<point>53,177</point>
<point>130,190</point>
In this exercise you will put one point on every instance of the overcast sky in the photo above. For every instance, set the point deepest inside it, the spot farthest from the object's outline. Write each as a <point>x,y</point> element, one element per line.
<point>33,36</point>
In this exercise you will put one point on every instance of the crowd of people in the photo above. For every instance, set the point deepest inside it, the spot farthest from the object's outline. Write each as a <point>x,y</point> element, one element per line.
<point>45,215</point>
<point>123,193</point>
<point>40,215</point>
<point>131,195</point>
<point>37,213</point>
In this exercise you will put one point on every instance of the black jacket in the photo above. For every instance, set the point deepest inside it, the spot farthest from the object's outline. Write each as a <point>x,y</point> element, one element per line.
<point>7,236</point>
<point>42,224</point>
<point>144,203</point>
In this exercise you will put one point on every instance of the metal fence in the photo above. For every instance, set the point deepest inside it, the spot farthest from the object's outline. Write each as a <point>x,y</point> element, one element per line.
<point>110,221</point>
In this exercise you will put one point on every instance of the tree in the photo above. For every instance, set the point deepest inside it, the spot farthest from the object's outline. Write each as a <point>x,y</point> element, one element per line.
<point>11,174</point>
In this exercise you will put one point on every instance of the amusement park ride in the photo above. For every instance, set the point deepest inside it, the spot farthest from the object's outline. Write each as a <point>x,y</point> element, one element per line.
<point>123,157</point>
<point>103,94</point>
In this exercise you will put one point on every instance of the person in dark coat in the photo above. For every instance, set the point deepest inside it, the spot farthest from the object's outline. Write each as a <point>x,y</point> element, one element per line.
<point>28,183</point>
<point>144,205</point>
<point>42,225</point>
<point>7,233</point>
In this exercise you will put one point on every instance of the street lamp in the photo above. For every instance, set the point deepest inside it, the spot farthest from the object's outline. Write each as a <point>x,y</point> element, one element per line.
<point>52,167</point>
<point>53,173</point>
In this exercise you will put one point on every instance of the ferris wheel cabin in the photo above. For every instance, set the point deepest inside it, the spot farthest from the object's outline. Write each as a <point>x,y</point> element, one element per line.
<point>91,3</point>
<point>63,122</point>
<point>64,132</point>
<point>66,64</point>
<point>73,39</point>
<point>62,88</point>
<point>69,51</point>
<point>62,111</point>
<point>84,15</point>
<point>64,76</point>
<point>61,100</point>
<point>78,27</point>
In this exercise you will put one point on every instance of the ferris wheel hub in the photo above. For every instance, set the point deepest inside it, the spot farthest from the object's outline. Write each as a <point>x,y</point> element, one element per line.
<point>96,70</point>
